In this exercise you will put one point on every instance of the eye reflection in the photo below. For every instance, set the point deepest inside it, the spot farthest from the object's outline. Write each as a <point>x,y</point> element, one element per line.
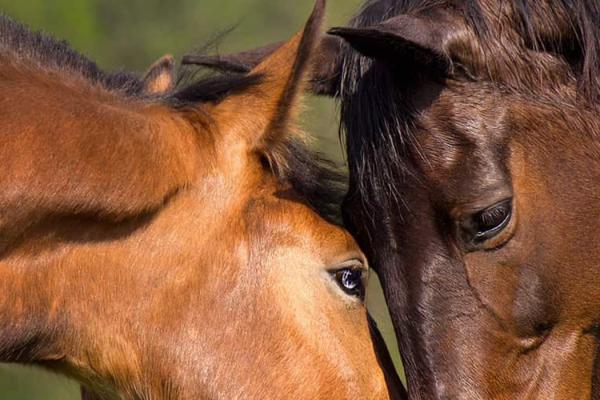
<point>350,280</point>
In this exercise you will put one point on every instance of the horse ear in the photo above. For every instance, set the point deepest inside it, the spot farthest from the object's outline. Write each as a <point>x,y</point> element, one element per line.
<point>160,77</point>
<point>269,107</point>
<point>323,78</point>
<point>422,40</point>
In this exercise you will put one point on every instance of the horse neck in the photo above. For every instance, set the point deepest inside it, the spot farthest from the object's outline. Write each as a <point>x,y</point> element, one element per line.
<point>100,306</point>
<point>67,306</point>
<point>71,147</point>
<point>73,152</point>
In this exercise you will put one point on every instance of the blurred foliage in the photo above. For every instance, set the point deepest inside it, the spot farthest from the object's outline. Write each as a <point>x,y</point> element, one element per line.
<point>131,35</point>
<point>26,383</point>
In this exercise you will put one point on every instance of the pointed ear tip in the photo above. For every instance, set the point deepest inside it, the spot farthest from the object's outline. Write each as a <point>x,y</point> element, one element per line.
<point>343,32</point>
<point>308,37</point>
<point>220,63</point>
<point>195,59</point>
<point>317,15</point>
<point>319,7</point>
<point>335,31</point>
<point>168,60</point>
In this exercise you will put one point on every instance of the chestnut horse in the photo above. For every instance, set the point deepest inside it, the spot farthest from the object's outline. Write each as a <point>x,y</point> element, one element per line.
<point>167,244</point>
<point>473,132</point>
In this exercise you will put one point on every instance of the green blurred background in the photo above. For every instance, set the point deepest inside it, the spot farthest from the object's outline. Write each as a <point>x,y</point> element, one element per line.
<point>131,34</point>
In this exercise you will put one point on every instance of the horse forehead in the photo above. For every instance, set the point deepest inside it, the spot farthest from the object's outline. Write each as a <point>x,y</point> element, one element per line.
<point>281,219</point>
<point>477,111</point>
<point>466,125</point>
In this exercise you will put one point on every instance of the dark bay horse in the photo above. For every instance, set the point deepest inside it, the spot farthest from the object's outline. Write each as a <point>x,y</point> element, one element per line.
<point>161,243</point>
<point>473,134</point>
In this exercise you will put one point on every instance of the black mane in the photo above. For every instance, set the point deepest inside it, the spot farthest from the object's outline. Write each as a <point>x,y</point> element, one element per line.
<point>377,119</point>
<point>50,53</point>
<point>46,52</point>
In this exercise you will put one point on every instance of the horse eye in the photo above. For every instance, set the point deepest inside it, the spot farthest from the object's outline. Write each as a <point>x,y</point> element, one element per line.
<point>350,280</point>
<point>487,223</point>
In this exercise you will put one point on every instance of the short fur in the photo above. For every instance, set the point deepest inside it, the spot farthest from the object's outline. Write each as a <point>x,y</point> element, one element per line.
<point>514,117</point>
<point>166,246</point>
<point>571,26</point>
<point>321,183</point>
